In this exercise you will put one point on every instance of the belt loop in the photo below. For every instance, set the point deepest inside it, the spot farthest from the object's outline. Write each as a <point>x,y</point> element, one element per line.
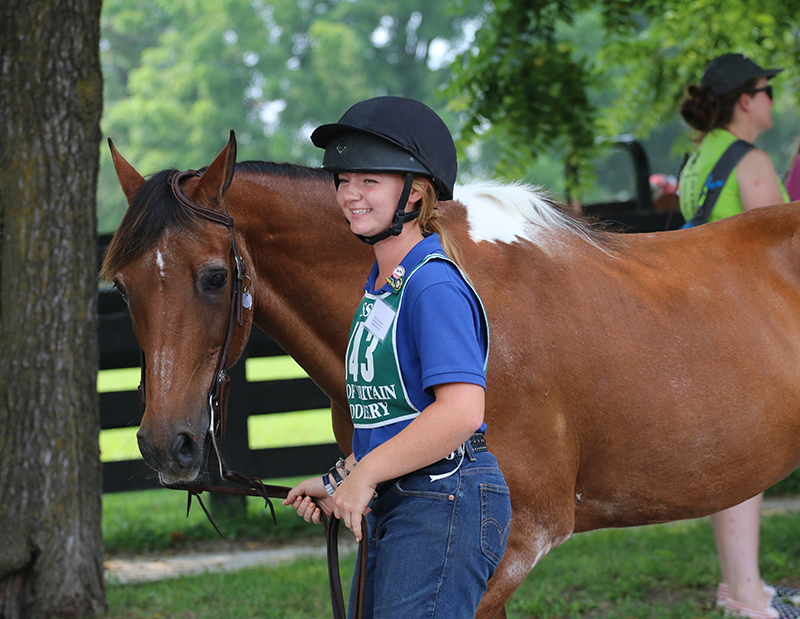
<point>470,451</point>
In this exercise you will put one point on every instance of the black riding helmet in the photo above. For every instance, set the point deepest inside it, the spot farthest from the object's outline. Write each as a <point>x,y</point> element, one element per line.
<point>391,135</point>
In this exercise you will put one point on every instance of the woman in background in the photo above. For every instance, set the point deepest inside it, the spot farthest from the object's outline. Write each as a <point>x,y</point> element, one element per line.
<point>734,102</point>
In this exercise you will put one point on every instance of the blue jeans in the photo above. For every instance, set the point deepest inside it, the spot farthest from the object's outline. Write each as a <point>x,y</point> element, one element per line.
<point>433,545</point>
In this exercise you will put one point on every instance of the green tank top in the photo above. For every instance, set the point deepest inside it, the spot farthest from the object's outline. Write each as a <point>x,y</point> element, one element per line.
<point>696,171</point>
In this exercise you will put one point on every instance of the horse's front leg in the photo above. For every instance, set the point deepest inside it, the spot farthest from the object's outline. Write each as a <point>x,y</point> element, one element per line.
<point>533,534</point>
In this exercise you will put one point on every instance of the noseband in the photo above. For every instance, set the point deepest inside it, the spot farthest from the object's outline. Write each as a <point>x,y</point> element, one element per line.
<point>218,407</point>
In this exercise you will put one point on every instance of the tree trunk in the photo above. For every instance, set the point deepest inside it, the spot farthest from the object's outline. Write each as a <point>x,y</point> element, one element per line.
<point>51,549</point>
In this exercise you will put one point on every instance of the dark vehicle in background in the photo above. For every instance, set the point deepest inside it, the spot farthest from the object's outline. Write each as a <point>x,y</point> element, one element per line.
<point>631,198</point>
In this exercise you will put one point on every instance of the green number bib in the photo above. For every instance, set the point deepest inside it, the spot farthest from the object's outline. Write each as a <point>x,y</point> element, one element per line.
<point>375,388</point>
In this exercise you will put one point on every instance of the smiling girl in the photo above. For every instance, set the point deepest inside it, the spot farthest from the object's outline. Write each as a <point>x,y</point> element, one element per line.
<point>437,505</point>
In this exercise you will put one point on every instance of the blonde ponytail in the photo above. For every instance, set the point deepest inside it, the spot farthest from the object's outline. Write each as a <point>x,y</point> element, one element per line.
<point>428,220</point>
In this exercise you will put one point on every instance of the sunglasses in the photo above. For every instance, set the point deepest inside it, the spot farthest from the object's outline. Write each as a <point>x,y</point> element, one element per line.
<point>766,89</point>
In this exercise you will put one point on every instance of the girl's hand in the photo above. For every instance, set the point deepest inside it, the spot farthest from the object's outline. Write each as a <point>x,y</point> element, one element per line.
<point>350,501</point>
<point>300,498</point>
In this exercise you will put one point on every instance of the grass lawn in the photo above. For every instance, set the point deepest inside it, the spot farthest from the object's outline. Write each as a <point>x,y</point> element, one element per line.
<point>658,572</point>
<point>294,591</point>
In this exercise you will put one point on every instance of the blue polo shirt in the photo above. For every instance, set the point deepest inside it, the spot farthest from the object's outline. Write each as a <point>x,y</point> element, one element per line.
<point>442,335</point>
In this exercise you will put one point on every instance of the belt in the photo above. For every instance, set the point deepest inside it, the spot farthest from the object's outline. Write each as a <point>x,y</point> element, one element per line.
<point>476,442</point>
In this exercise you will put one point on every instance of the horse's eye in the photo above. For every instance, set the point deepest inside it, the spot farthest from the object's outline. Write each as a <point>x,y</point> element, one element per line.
<point>217,281</point>
<point>118,287</point>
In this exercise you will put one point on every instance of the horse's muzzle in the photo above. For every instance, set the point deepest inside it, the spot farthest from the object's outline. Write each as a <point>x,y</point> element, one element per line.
<point>180,457</point>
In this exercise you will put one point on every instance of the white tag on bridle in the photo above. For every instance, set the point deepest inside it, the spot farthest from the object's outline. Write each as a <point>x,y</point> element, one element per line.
<point>247,300</point>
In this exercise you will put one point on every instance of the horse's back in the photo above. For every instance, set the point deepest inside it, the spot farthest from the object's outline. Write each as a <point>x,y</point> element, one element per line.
<point>669,356</point>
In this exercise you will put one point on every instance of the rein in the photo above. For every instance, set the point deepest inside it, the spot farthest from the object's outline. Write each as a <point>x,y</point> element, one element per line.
<point>255,487</point>
<point>217,402</point>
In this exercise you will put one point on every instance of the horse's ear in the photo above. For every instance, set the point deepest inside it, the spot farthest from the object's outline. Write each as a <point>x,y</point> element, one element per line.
<point>219,175</point>
<point>129,179</point>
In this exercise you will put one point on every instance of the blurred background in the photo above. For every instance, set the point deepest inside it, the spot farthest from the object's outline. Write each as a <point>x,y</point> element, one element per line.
<point>530,89</point>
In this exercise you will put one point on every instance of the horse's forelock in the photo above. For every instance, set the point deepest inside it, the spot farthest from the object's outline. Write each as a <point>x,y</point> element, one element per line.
<point>152,212</point>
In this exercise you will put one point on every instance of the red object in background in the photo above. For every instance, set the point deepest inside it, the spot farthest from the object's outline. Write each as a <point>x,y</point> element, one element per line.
<point>664,189</point>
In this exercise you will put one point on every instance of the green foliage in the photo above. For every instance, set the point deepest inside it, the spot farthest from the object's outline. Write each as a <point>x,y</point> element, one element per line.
<point>537,78</point>
<point>180,75</point>
<point>526,85</point>
<point>531,86</point>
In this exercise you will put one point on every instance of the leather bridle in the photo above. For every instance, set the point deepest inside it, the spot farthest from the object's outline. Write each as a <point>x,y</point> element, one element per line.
<point>217,393</point>
<point>217,402</point>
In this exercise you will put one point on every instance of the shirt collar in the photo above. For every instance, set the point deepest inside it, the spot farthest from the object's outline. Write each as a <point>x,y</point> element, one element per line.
<point>428,245</point>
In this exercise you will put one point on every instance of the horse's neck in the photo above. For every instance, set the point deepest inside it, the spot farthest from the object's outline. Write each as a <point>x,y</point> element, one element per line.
<point>307,269</point>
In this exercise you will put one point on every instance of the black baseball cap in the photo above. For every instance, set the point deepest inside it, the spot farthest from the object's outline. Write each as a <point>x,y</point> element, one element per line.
<point>729,71</point>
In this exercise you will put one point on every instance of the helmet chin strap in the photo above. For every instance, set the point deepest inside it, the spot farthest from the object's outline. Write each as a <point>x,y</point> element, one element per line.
<point>400,216</point>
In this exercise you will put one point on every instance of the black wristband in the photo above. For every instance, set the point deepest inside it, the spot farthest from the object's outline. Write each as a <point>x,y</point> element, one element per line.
<point>334,475</point>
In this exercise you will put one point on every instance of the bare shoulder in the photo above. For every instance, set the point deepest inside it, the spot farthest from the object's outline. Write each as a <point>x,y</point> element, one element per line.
<point>758,180</point>
<point>756,161</point>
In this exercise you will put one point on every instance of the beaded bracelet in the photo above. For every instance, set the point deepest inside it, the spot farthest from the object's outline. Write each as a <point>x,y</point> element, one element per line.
<point>328,488</point>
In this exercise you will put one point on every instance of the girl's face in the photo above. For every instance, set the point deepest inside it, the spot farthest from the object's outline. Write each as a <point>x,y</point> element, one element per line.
<point>761,106</point>
<point>369,201</point>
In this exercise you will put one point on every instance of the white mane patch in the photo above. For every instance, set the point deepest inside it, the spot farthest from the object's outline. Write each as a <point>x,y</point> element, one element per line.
<point>509,213</point>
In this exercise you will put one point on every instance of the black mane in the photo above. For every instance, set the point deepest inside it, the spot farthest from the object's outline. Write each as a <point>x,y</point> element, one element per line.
<point>152,212</point>
<point>155,210</point>
<point>288,170</point>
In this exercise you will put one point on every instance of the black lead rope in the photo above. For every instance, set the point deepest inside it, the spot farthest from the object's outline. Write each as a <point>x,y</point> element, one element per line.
<point>255,487</point>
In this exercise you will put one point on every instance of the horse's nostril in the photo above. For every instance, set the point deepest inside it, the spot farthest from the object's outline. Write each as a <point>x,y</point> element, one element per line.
<point>185,449</point>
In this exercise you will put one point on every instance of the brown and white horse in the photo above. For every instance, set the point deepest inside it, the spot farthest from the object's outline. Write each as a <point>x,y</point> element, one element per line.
<point>633,379</point>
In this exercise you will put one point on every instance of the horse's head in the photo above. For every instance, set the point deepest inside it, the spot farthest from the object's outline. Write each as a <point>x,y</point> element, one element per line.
<point>174,259</point>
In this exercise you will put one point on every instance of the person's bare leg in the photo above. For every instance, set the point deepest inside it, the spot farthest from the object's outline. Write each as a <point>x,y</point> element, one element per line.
<point>736,531</point>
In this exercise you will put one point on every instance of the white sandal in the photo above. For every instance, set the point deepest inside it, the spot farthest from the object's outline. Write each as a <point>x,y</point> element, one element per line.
<point>776,609</point>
